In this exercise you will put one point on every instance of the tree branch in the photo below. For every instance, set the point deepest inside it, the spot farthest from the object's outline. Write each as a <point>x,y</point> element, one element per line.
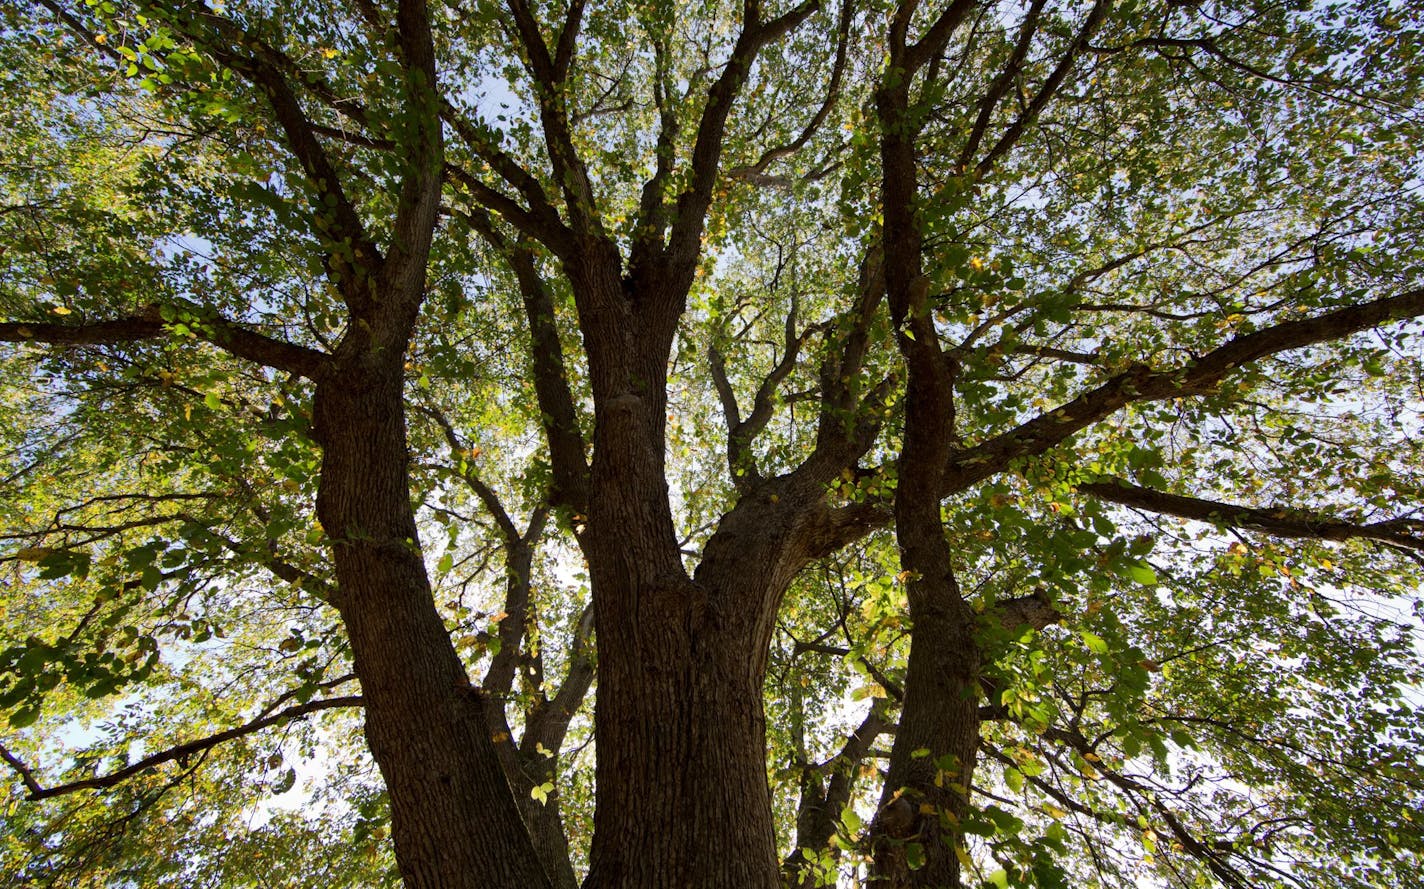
<point>1277,521</point>
<point>540,220</point>
<point>820,805</point>
<point>1046,92</point>
<point>1034,610</point>
<point>567,448</point>
<point>549,723</point>
<point>684,241</point>
<point>341,223</point>
<point>1141,383</point>
<point>1000,85</point>
<point>149,324</point>
<point>182,751</point>
<point>937,37</point>
<point>569,169</point>
<point>754,172</point>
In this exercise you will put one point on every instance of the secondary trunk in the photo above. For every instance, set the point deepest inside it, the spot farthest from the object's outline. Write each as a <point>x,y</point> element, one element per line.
<point>933,759</point>
<point>453,819</point>
<point>917,832</point>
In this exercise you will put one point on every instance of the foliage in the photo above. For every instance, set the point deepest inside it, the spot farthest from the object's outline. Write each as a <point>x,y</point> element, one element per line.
<point>1167,261</point>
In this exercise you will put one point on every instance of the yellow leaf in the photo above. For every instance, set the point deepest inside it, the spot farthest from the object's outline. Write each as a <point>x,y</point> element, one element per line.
<point>62,310</point>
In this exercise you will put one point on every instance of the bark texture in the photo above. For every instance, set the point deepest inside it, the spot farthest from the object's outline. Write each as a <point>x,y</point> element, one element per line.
<point>683,797</point>
<point>425,724</point>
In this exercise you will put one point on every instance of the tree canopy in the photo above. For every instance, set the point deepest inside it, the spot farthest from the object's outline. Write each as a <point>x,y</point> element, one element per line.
<point>639,444</point>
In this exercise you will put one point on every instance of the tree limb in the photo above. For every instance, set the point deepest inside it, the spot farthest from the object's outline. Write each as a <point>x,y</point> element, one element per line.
<point>684,240</point>
<point>754,172</point>
<point>1046,92</point>
<point>567,449</point>
<point>149,324</point>
<point>1140,383</point>
<point>1277,521</point>
<point>182,751</point>
<point>1000,85</point>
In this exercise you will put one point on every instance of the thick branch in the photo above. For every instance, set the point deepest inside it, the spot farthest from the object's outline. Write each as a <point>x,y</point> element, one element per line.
<point>99,333</point>
<point>542,223</point>
<point>934,40</point>
<point>568,168</point>
<point>567,448</point>
<point>340,224</point>
<point>148,324</point>
<point>180,752</point>
<point>684,241</point>
<point>548,723</point>
<point>652,204</point>
<point>1141,383</point>
<point>820,805</point>
<point>1277,521</point>
<point>754,172</point>
<point>413,229</point>
<point>1047,91</point>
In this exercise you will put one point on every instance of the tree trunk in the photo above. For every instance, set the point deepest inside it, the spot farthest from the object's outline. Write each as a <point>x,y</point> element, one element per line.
<point>453,819</point>
<point>932,761</point>
<point>683,797</point>
<point>917,833</point>
<point>681,765</point>
<point>682,791</point>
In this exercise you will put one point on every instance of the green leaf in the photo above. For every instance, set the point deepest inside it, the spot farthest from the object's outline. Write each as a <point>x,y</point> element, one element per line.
<point>1142,574</point>
<point>1014,779</point>
<point>286,782</point>
<point>851,821</point>
<point>1094,642</point>
<point>914,855</point>
<point>25,716</point>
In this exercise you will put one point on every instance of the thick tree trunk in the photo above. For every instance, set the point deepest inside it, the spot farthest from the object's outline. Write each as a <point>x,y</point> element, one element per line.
<point>933,759</point>
<point>681,767</point>
<point>682,791</point>
<point>683,796</point>
<point>454,820</point>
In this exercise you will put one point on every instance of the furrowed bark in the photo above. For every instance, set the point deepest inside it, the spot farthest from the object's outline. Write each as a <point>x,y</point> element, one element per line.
<point>426,726</point>
<point>681,763</point>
